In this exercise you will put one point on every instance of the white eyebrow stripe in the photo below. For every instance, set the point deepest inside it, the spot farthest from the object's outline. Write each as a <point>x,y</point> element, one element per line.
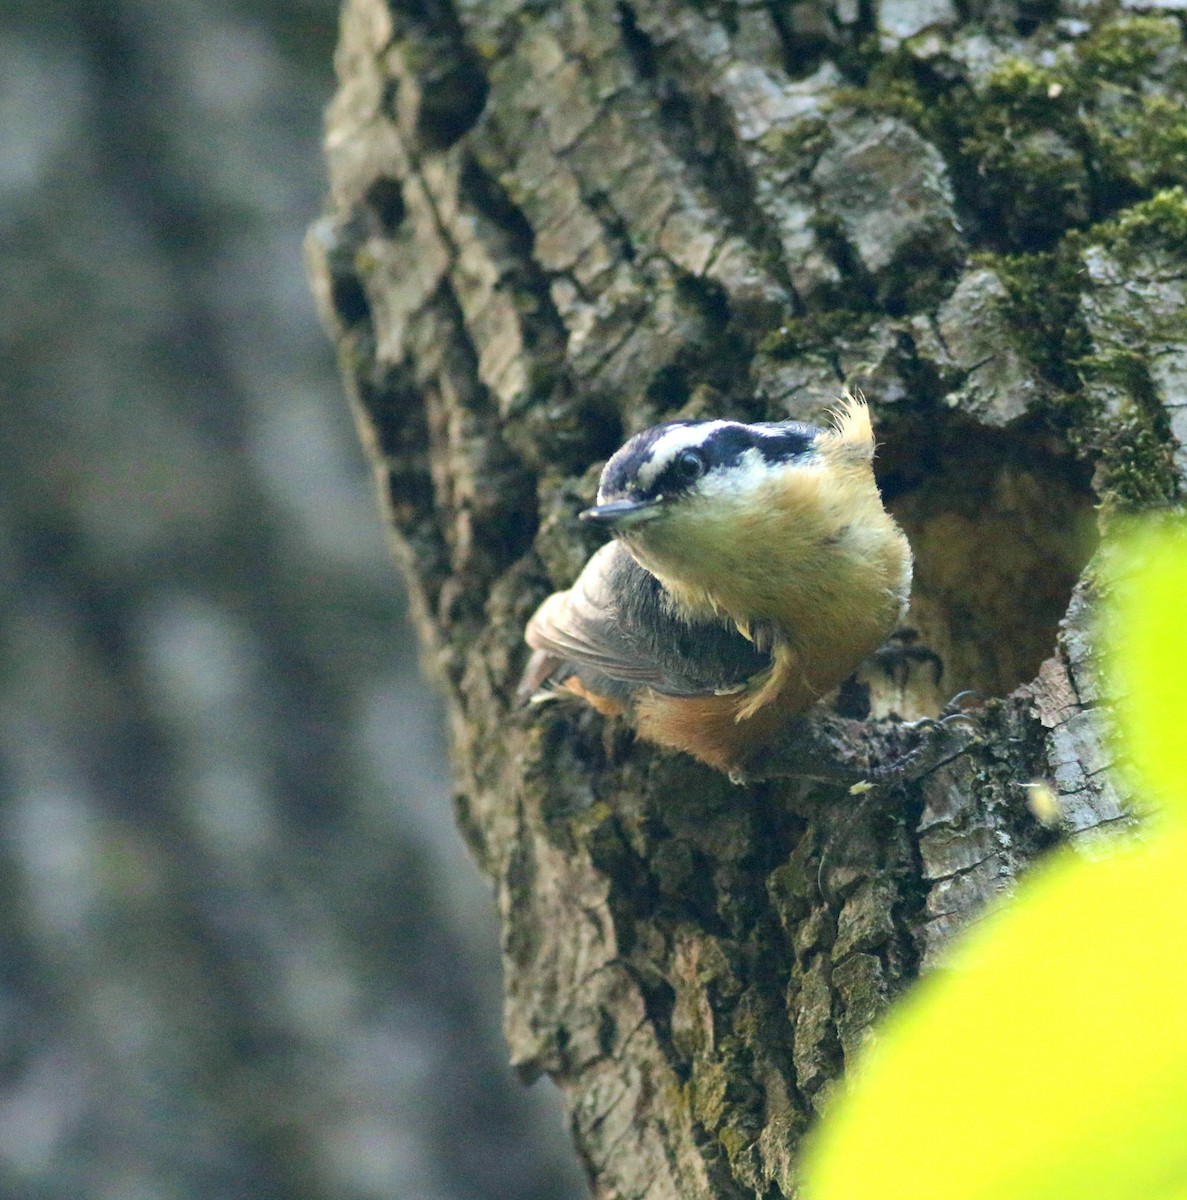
<point>665,448</point>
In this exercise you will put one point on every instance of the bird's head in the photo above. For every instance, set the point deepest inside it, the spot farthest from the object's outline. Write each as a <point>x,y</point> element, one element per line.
<point>728,514</point>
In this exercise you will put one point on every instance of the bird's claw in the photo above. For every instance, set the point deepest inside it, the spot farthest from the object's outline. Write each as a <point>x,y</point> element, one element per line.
<point>955,706</point>
<point>953,713</point>
<point>932,754</point>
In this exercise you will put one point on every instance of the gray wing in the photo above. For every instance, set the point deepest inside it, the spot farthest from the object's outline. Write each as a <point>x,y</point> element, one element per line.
<point>615,629</point>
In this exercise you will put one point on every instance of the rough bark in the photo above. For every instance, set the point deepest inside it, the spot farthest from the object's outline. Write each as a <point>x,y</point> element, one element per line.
<point>553,225</point>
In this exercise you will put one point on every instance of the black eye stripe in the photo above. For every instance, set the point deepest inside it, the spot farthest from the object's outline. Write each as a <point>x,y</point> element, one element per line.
<point>782,446</point>
<point>724,447</point>
<point>687,466</point>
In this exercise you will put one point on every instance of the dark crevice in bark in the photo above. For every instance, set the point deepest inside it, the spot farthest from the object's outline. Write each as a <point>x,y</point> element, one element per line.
<point>451,83</point>
<point>856,291</point>
<point>803,50</point>
<point>385,198</point>
<point>350,302</point>
<point>616,229</point>
<point>508,238</point>
<point>721,358</point>
<point>348,294</point>
<point>498,496</point>
<point>698,128</point>
<point>396,408</point>
<point>638,45</point>
<point>902,956</point>
<point>1032,15</point>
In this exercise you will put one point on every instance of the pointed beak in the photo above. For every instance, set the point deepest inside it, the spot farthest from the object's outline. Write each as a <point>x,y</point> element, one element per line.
<point>621,514</point>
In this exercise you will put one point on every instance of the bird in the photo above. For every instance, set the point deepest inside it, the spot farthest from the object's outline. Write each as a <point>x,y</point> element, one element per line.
<point>751,569</point>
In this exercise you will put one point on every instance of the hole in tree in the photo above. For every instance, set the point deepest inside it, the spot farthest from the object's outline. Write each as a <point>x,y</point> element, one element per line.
<point>1001,523</point>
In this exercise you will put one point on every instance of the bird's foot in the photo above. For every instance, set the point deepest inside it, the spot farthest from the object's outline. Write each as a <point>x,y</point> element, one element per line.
<point>946,738</point>
<point>956,706</point>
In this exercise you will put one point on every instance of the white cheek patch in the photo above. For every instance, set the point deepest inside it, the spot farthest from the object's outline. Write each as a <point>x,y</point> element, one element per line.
<point>743,478</point>
<point>665,448</point>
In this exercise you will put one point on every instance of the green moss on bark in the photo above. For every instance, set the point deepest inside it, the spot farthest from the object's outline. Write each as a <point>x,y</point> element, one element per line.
<point>1044,143</point>
<point>1159,223</point>
<point>1044,308</point>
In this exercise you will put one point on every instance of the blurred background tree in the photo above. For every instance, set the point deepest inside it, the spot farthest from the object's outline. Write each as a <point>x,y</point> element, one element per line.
<point>243,953</point>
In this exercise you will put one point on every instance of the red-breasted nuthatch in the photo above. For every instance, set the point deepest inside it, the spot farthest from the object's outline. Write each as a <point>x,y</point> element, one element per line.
<point>752,569</point>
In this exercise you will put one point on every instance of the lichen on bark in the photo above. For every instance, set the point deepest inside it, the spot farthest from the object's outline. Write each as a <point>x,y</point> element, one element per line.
<point>551,226</point>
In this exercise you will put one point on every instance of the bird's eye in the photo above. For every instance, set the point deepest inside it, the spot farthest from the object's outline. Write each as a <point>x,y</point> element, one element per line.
<point>689,466</point>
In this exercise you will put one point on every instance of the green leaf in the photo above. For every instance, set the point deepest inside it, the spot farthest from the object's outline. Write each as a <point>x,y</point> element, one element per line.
<point>1149,662</point>
<point>1049,1060</point>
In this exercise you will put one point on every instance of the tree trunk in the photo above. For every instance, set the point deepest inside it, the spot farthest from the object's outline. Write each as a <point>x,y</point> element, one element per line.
<point>554,225</point>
